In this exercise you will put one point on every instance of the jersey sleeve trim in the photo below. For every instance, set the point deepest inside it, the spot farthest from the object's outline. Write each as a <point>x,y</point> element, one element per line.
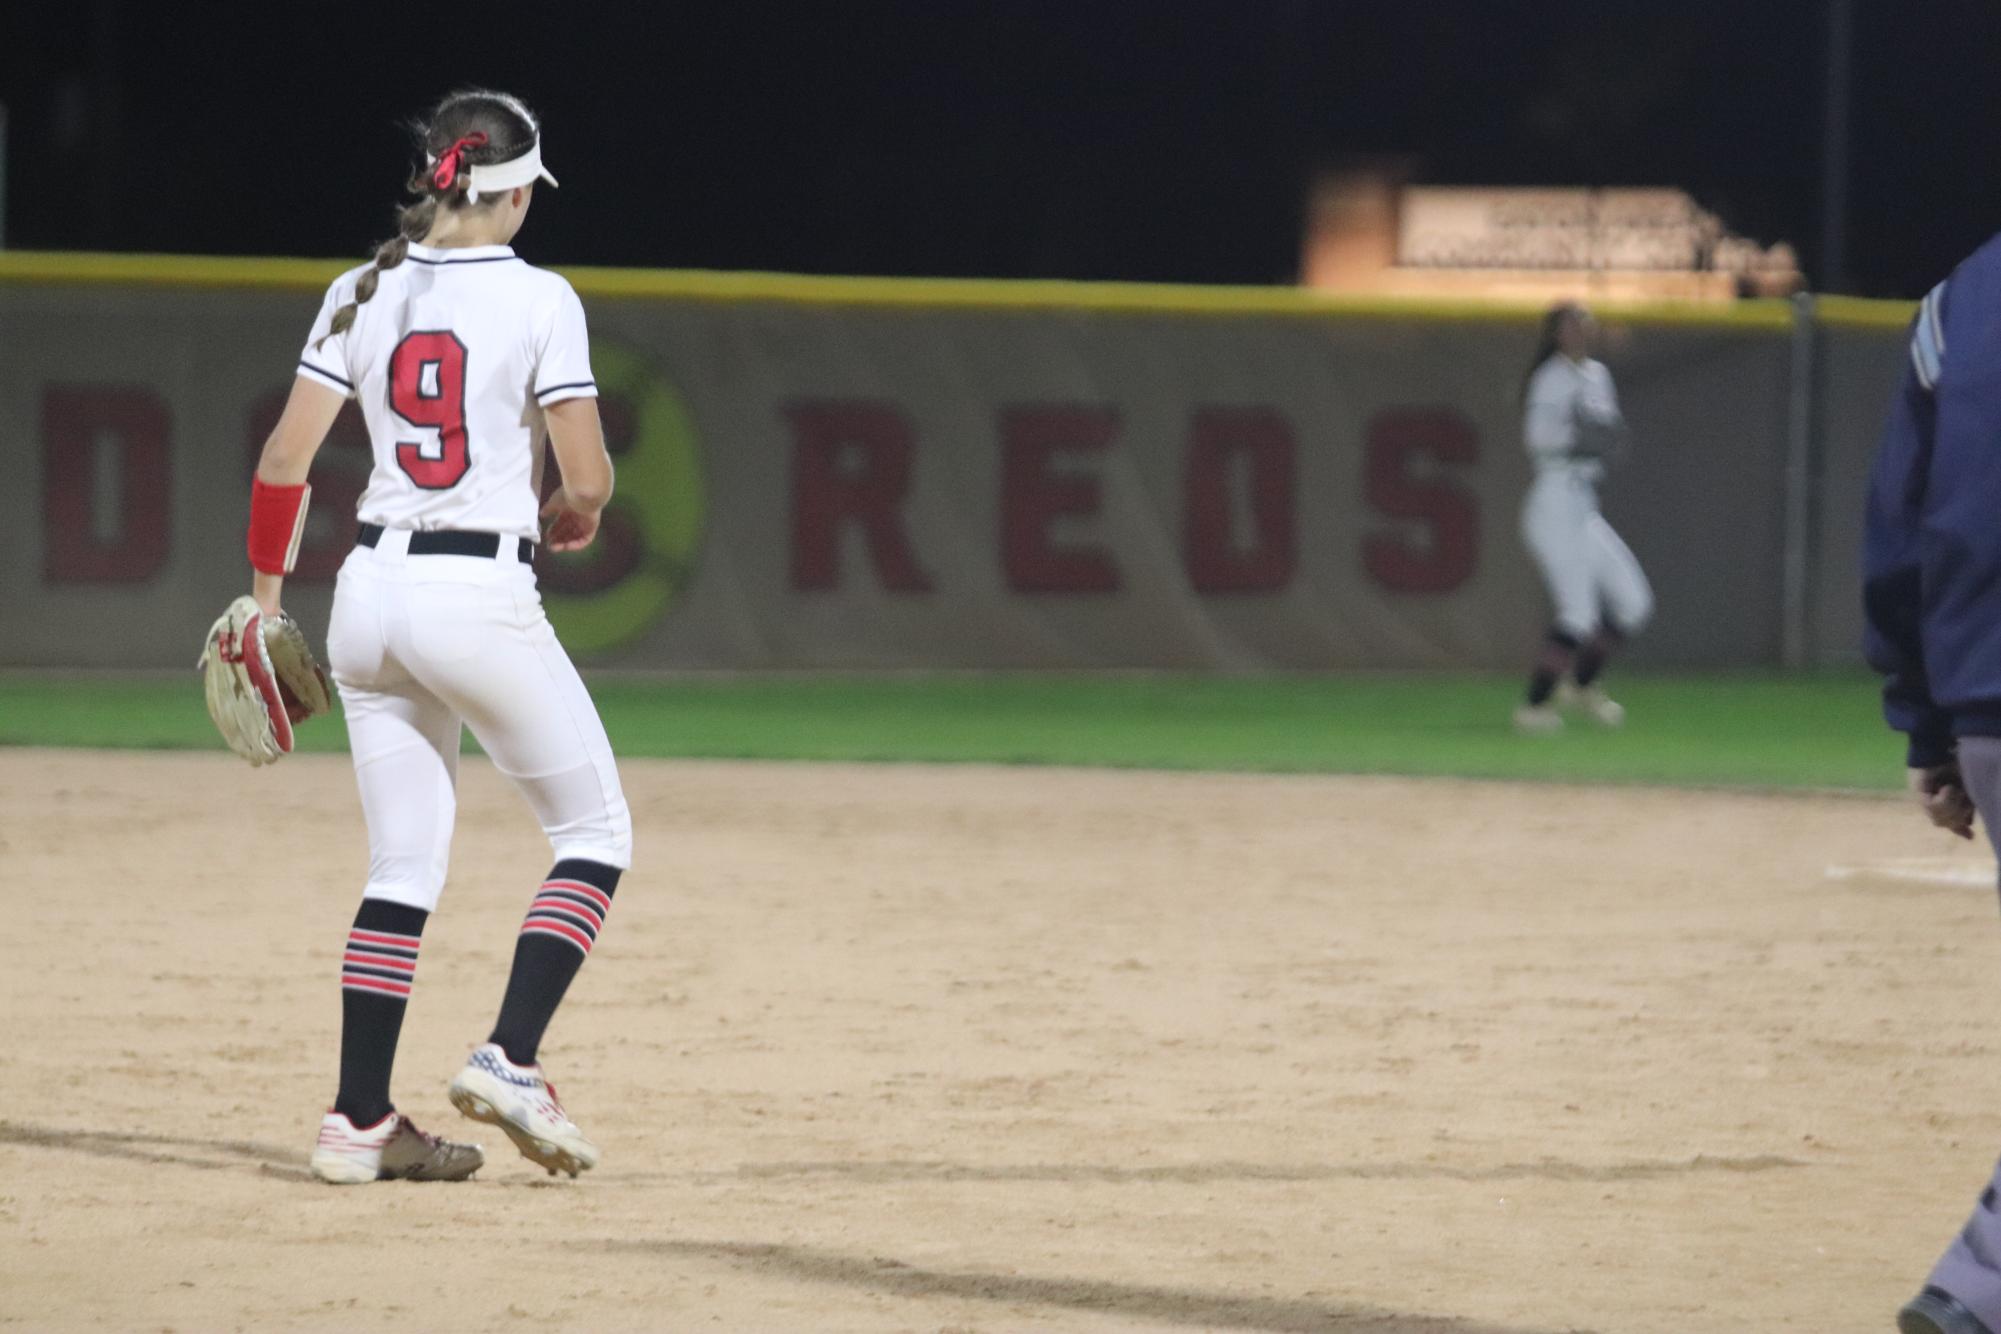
<point>574,389</point>
<point>1928,339</point>
<point>325,377</point>
<point>480,259</point>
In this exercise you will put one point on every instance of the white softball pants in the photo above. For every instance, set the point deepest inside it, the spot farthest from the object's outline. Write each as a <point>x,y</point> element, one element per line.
<point>1591,574</point>
<point>422,646</point>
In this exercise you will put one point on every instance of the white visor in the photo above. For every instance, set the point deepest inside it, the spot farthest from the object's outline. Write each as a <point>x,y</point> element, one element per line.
<point>496,177</point>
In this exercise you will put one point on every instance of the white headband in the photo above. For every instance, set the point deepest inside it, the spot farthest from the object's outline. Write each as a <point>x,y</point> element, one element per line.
<point>495,177</point>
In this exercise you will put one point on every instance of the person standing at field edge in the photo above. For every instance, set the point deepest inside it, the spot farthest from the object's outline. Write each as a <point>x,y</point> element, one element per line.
<point>1572,428</point>
<point>1932,601</point>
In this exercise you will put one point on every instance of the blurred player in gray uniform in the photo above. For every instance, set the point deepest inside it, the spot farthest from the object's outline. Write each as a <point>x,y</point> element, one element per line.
<point>1572,428</point>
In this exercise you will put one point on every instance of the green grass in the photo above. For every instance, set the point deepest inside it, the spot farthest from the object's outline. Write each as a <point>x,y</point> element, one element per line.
<point>1758,730</point>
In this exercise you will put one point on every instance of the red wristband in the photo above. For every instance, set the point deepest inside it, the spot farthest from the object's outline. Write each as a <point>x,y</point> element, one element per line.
<point>277,522</point>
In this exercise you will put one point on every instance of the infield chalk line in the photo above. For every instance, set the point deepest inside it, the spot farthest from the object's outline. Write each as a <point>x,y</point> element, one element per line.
<point>1922,870</point>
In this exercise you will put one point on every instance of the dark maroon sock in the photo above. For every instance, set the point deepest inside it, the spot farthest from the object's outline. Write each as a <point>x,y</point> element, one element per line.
<point>1557,652</point>
<point>1591,659</point>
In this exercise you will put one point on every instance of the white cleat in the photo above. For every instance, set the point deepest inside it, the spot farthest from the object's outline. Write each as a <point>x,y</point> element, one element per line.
<point>520,1100</point>
<point>390,1150</point>
<point>1538,720</point>
<point>1593,703</point>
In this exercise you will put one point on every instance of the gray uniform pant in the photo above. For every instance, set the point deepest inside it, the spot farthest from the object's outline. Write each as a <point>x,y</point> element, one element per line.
<point>1590,572</point>
<point>1970,1269</point>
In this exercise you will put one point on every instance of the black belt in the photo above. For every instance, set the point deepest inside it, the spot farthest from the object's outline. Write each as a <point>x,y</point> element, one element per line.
<point>449,542</point>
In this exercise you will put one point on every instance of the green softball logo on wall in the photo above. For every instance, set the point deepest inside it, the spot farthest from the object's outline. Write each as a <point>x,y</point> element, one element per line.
<point>651,533</point>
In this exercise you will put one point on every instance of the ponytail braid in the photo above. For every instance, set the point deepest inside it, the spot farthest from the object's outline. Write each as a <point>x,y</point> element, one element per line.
<point>413,223</point>
<point>475,127</point>
<point>1546,342</point>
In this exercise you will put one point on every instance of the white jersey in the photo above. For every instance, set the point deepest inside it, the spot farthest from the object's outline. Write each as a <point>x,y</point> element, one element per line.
<point>1592,576</point>
<point>1562,392</point>
<point>452,361</point>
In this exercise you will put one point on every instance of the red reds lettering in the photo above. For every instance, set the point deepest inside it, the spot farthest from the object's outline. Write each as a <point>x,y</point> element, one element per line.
<point>105,525</point>
<point>1240,477</point>
<point>1436,545</point>
<point>854,464</point>
<point>851,465</point>
<point>1035,494</point>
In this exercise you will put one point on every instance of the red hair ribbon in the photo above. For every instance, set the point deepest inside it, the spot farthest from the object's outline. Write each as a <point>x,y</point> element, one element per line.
<point>448,161</point>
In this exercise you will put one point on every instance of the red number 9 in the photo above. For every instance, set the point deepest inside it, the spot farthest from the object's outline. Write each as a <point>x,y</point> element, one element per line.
<point>427,387</point>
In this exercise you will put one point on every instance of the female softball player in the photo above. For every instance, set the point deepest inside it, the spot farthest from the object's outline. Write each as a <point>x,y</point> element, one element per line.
<point>1571,426</point>
<point>463,359</point>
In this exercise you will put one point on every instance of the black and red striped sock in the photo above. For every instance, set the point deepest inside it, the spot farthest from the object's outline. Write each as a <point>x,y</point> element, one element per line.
<point>562,924</point>
<point>376,971</point>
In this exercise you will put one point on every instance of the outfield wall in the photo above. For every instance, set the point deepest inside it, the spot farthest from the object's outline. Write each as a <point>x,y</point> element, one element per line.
<point>836,473</point>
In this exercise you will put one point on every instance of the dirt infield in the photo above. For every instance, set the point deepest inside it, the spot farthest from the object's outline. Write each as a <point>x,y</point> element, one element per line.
<point>955,1049</point>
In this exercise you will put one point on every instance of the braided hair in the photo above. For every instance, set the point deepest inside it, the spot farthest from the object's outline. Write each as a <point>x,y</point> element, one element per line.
<point>472,127</point>
<point>1548,342</point>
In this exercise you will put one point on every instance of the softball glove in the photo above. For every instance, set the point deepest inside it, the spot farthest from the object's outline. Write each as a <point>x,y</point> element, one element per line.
<point>261,680</point>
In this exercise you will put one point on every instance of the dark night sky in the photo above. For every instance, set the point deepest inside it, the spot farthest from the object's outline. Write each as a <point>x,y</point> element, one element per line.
<point>1137,139</point>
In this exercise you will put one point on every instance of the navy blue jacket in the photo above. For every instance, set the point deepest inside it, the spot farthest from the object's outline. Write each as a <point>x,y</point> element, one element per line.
<point>1932,548</point>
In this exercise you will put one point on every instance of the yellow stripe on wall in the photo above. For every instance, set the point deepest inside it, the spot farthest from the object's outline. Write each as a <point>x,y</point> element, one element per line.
<point>199,271</point>
<point>993,294</point>
<point>1853,312</point>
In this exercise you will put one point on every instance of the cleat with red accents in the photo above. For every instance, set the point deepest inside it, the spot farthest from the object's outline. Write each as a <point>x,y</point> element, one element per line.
<point>521,1101</point>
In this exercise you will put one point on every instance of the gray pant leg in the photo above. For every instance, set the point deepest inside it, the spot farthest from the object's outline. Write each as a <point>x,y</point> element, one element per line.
<point>1970,1269</point>
<point>1980,765</point>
